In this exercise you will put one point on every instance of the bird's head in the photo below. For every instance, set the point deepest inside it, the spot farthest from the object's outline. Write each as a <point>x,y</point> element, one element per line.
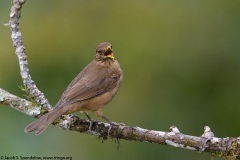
<point>104,51</point>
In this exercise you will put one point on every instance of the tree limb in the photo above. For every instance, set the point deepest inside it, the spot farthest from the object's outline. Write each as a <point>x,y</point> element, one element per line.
<point>223,147</point>
<point>30,85</point>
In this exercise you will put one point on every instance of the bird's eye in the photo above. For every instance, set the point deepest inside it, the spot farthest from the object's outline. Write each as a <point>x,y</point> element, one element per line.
<point>100,51</point>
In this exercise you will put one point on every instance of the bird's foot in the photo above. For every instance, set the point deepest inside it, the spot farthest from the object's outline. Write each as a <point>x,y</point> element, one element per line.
<point>110,122</point>
<point>90,125</point>
<point>114,124</point>
<point>91,122</point>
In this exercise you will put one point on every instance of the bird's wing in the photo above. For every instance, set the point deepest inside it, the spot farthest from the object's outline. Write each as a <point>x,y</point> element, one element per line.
<point>95,81</point>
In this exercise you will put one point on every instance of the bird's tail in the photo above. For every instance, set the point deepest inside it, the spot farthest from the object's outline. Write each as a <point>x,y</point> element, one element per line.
<point>43,122</point>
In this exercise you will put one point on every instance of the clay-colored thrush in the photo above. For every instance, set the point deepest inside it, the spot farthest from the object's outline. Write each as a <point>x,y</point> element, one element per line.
<point>90,91</point>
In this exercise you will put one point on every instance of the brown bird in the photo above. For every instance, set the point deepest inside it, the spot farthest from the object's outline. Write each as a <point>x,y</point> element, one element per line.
<point>90,91</point>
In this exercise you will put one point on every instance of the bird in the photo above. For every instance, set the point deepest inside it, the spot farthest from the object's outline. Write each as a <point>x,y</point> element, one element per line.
<point>92,89</point>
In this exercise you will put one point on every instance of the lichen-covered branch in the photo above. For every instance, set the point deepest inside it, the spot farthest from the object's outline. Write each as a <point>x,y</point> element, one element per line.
<point>32,89</point>
<point>224,147</point>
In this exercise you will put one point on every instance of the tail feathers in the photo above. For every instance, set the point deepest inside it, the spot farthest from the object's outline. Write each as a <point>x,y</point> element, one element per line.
<point>43,122</point>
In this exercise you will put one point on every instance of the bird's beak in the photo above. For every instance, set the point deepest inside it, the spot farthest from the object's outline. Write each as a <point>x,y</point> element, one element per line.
<point>110,53</point>
<point>110,56</point>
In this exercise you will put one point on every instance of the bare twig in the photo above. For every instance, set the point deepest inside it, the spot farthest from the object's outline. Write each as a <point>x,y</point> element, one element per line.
<point>32,89</point>
<point>223,147</point>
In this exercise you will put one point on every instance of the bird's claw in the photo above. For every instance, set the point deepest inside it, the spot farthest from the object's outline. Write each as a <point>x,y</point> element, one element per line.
<point>114,124</point>
<point>91,125</point>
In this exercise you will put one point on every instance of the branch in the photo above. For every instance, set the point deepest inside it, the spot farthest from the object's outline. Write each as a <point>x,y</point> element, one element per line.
<point>223,147</point>
<point>30,85</point>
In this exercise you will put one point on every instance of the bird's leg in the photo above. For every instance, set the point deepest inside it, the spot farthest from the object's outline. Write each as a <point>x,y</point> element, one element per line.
<point>90,121</point>
<point>100,114</point>
<point>111,123</point>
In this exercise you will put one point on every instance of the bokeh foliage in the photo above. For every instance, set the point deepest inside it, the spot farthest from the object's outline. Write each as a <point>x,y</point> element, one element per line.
<point>181,63</point>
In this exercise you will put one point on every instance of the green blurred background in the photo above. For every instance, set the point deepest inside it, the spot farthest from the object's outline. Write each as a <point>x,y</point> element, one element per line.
<point>181,63</point>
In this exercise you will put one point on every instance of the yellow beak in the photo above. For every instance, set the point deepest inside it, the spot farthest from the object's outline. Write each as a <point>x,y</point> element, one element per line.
<point>111,54</point>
